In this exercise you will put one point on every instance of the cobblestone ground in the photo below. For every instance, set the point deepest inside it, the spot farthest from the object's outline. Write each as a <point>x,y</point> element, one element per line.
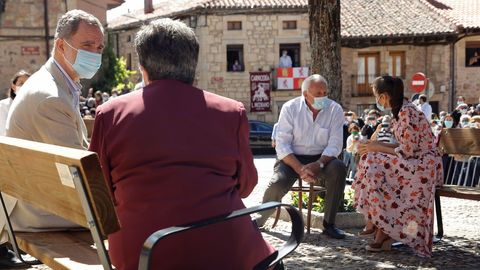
<point>459,249</point>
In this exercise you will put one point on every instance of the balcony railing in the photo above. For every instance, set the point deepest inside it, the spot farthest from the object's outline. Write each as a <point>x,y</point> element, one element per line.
<point>361,85</point>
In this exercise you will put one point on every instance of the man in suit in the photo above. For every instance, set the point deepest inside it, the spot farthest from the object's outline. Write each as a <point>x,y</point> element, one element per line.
<point>308,142</point>
<point>47,108</point>
<point>174,154</point>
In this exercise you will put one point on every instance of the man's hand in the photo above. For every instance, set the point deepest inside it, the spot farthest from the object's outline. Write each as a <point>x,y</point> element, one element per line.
<point>309,172</point>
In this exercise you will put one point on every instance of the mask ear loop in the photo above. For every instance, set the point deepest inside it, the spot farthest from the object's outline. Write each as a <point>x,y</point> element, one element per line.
<point>64,57</point>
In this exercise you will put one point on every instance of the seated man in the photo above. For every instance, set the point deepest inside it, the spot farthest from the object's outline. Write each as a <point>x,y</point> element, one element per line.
<point>174,154</point>
<point>308,142</point>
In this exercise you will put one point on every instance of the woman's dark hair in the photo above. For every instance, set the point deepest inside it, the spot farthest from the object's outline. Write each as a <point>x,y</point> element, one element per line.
<point>393,86</point>
<point>15,78</point>
<point>456,118</point>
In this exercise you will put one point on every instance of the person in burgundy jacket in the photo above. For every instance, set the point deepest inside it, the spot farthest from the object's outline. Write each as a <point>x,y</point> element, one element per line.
<point>174,154</point>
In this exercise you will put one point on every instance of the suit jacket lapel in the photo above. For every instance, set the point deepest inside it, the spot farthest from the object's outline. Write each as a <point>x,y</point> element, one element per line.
<point>63,86</point>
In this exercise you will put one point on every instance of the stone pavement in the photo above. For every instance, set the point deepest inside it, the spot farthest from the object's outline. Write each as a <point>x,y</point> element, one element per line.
<point>459,249</point>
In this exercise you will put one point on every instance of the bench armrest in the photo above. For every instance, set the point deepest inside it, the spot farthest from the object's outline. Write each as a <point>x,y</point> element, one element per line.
<point>294,240</point>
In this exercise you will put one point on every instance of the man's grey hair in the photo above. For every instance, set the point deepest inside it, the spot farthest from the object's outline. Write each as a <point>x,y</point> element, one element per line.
<point>313,78</point>
<point>167,49</point>
<point>69,22</point>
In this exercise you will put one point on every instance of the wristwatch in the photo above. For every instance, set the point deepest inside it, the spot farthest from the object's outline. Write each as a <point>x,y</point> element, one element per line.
<point>321,164</point>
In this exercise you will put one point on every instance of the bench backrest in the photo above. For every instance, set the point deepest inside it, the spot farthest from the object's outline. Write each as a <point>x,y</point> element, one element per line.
<point>39,174</point>
<point>460,141</point>
<point>463,168</point>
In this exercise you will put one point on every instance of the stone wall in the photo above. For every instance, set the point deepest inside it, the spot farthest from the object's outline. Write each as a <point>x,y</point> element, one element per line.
<point>467,78</point>
<point>22,33</point>
<point>261,36</point>
<point>125,49</point>
<point>22,37</point>
<point>432,60</point>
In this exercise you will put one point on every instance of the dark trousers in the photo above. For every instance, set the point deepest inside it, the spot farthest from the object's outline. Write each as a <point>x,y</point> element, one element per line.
<point>332,177</point>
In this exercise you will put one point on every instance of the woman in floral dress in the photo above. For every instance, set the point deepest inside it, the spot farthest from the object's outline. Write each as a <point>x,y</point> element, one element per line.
<point>395,183</point>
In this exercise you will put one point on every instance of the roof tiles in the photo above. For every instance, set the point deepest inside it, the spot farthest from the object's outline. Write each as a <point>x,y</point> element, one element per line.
<point>465,13</point>
<point>359,18</point>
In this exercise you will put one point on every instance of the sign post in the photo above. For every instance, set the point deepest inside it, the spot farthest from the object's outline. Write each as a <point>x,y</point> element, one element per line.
<point>419,82</point>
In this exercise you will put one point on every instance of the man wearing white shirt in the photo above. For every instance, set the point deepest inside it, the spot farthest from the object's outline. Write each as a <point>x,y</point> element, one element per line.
<point>309,138</point>
<point>285,60</point>
<point>425,107</point>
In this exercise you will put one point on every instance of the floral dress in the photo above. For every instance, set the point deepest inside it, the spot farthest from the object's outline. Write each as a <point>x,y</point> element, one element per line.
<point>396,192</point>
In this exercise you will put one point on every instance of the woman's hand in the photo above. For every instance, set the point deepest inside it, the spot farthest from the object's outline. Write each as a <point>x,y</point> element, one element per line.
<point>369,146</point>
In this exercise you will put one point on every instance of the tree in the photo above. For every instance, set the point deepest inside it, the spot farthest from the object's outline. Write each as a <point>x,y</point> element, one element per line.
<point>325,43</point>
<point>113,73</point>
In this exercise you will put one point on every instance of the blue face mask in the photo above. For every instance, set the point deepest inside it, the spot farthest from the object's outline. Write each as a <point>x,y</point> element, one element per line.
<point>86,63</point>
<point>448,124</point>
<point>320,103</point>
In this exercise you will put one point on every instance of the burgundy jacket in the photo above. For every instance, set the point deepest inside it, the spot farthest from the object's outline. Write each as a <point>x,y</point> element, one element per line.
<point>173,154</point>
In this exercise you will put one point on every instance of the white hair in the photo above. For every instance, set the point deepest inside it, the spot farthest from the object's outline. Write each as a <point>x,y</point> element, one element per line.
<point>316,78</point>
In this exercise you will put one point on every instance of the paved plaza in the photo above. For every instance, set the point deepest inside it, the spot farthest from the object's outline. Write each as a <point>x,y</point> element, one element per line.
<point>459,249</point>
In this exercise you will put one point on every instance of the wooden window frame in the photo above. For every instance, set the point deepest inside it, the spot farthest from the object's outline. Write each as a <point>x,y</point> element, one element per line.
<point>129,61</point>
<point>236,47</point>
<point>289,25</point>
<point>234,25</point>
<point>394,55</point>
<point>364,89</point>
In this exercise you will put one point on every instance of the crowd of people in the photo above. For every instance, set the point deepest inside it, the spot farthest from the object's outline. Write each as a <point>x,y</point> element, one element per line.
<point>89,104</point>
<point>372,125</point>
<point>162,174</point>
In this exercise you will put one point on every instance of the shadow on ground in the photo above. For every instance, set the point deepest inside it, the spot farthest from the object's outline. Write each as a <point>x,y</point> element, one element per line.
<point>320,252</point>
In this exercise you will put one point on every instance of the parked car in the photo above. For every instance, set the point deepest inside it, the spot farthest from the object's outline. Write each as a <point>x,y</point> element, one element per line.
<point>260,134</point>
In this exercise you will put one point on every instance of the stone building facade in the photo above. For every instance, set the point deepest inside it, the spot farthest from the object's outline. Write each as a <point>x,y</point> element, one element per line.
<point>23,39</point>
<point>260,35</point>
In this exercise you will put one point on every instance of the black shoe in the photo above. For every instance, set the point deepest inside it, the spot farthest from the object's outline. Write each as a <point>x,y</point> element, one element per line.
<point>8,258</point>
<point>333,232</point>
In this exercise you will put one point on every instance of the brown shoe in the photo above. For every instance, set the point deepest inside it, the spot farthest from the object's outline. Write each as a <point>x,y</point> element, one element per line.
<point>384,245</point>
<point>367,233</point>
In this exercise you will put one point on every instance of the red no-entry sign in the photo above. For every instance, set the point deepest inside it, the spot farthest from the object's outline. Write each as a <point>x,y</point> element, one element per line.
<point>419,82</point>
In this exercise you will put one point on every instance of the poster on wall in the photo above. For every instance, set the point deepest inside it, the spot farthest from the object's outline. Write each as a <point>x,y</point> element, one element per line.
<point>291,78</point>
<point>472,54</point>
<point>260,91</point>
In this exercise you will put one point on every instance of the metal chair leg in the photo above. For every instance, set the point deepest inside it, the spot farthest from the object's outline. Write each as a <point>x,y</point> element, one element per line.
<point>277,216</point>
<point>311,195</point>
<point>438,211</point>
<point>300,199</point>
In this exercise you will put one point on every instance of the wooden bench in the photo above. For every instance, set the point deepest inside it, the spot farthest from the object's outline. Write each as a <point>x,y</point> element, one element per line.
<point>68,183</point>
<point>89,122</point>
<point>462,178</point>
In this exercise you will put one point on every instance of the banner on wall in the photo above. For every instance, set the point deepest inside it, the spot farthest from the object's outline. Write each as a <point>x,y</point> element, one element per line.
<point>291,78</point>
<point>260,91</point>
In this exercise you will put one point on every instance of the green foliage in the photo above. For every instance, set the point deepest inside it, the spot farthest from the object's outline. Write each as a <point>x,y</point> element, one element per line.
<point>319,203</point>
<point>122,75</point>
<point>113,74</point>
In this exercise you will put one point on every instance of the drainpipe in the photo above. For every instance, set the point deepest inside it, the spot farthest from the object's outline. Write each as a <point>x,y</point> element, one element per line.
<point>452,77</point>
<point>47,30</point>
<point>427,90</point>
<point>147,6</point>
